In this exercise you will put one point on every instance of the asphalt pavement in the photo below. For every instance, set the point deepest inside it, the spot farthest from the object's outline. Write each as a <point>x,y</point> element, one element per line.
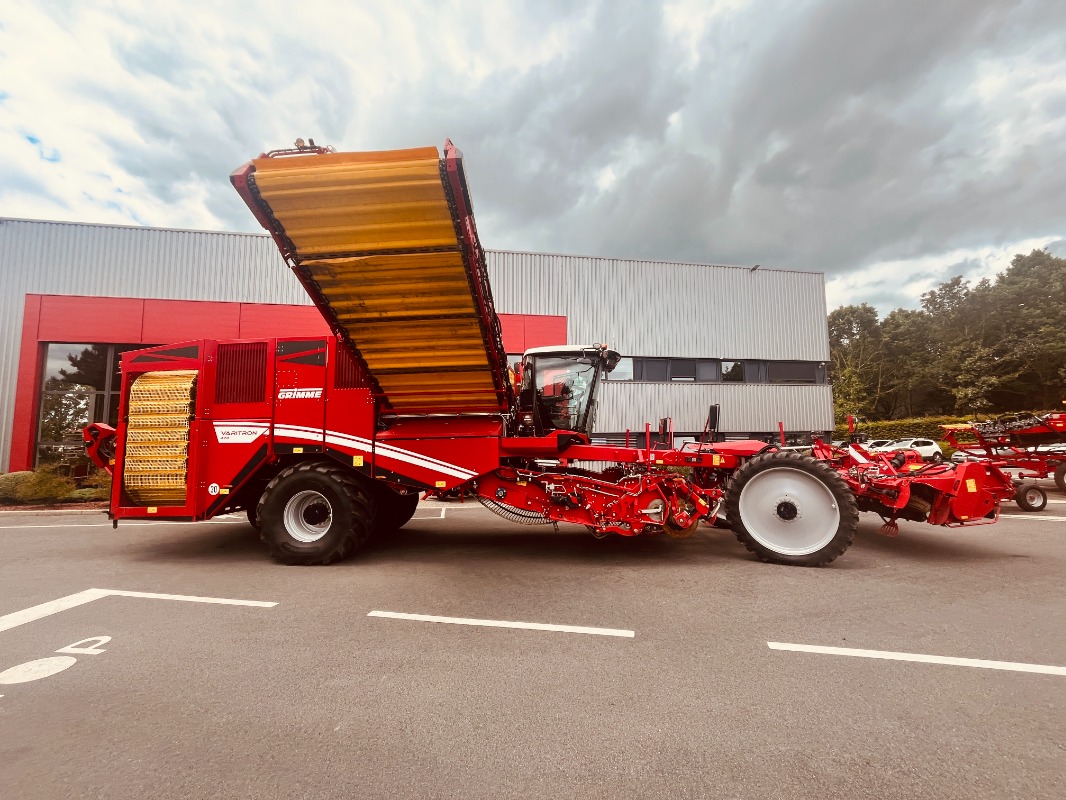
<point>163,691</point>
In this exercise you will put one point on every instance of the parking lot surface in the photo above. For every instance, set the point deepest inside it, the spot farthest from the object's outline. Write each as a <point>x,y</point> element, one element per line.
<point>161,690</point>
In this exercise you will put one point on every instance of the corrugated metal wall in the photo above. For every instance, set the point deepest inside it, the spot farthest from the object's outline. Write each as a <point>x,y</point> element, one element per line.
<point>745,408</point>
<point>640,308</point>
<point>648,308</point>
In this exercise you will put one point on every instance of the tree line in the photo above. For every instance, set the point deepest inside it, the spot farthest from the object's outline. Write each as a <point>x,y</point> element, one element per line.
<point>995,347</point>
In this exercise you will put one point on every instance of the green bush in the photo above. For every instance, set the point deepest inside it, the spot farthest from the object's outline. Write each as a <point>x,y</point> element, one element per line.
<point>44,486</point>
<point>10,482</point>
<point>85,495</point>
<point>47,485</point>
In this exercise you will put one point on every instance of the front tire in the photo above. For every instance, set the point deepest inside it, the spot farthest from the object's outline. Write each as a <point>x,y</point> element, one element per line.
<point>313,513</point>
<point>789,508</point>
<point>1060,476</point>
<point>1031,497</point>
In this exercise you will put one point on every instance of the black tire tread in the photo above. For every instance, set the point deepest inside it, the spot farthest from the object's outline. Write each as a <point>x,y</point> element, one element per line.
<point>345,545</point>
<point>849,510</point>
<point>1060,476</point>
<point>1024,504</point>
<point>393,510</point>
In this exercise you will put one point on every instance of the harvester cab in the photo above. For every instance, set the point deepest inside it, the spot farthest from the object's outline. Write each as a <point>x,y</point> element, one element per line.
<point>560,388</point>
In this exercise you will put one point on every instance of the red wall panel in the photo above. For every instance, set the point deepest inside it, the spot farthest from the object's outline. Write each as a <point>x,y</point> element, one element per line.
<point>513,328</point>
<point>542,330</point>
<point>177,320</point>
<point>24,426</point>
<point>90,319</point>
<point>276,320</point>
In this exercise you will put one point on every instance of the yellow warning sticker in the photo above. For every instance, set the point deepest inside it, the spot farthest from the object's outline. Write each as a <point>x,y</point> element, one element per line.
<point>357,461</point>
<point>223,491</point>
<point>716,460</point>
<point>297,449</point>
<point>152,509</point>
<point>971,485</point>
<point>441,484</point>
<point>658,461</point>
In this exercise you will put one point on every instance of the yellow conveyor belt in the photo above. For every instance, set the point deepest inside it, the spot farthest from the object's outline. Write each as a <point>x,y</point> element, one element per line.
<point>375,235</point>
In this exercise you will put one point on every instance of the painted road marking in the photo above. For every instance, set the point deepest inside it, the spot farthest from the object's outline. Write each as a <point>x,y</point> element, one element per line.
<point>1043,517</point>
<point>499,623</point>
<point>34,613</point>
<point>925,659</point>
<point>125,524</point>
<point>35,670</point>
<point>47,667</point>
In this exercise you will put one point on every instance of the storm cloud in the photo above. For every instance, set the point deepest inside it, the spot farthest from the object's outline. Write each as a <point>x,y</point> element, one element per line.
<point>889,145</point>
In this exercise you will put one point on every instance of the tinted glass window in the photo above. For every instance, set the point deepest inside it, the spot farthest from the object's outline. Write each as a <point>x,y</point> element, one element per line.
<point>733,371</point>
<point>791,372</point>
<point>683,369</point>
<point>623,372</point>
<point>656,369</point>
<point>707,371</point>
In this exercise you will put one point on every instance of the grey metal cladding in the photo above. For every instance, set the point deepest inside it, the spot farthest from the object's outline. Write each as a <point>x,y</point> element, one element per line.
<point>645,308</point>
<point>745,408</point>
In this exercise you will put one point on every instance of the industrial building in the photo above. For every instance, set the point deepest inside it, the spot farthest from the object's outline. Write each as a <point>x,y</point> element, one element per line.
<point>752,340</point>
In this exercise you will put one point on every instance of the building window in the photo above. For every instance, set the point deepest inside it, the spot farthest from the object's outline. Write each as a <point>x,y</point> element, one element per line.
<point>652,369</point>
<point>81,384</point>
<point>733,371</point>
<point>622,372</point>
<point>792,372</point>
<point>712,370</point>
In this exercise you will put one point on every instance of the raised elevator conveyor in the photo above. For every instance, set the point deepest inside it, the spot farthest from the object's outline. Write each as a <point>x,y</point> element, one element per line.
<point>386,245</point>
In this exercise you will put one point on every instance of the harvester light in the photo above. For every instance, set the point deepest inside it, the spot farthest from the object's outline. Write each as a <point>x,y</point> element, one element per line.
<point>526,417</point>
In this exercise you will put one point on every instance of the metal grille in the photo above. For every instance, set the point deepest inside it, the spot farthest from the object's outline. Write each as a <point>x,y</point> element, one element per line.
<point>157,437</point>
<point>349,374</point>
<point>241,374</point>
<point>519,515</point>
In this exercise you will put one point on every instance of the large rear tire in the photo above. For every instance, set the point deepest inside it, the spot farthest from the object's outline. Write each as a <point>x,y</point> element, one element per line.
<point>789,508</point>
<point>314,513</point>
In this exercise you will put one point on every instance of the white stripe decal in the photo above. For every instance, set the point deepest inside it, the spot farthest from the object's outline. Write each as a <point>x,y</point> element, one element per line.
<point>364,445</point>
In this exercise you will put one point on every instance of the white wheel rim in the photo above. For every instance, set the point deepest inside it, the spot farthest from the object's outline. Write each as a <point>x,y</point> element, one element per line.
<point>789,511</point>
<point>1032,496</point>
<point>307,516</point>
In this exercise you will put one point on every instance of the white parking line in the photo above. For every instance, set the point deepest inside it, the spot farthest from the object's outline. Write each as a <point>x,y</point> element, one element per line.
<point>1042,517</point>
<point>126,524</point>
<point>926,659</point>
<point>34,613</point>
<point>498,623</point>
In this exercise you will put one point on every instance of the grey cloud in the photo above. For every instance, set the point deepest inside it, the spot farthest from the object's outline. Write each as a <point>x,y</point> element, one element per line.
<point>816,135</point>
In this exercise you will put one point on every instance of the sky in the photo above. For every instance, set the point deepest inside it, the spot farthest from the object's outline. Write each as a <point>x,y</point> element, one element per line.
<point>890,145</point>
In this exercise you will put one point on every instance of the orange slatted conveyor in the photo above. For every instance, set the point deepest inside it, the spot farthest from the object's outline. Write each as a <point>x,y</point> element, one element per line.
<point>385,244</point>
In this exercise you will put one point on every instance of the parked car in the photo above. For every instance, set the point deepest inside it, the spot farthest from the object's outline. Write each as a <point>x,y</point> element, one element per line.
<point>876,444</point>
<point>928,449</point>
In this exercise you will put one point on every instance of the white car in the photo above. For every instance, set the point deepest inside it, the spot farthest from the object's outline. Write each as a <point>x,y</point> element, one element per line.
<point>876,444</point>
<point>928,449</point>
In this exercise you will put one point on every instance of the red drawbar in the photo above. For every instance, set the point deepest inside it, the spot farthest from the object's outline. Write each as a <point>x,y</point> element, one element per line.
<point>133,320</point>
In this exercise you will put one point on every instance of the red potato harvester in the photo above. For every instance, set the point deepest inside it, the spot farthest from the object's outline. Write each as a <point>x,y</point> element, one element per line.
<point>325,442</point>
